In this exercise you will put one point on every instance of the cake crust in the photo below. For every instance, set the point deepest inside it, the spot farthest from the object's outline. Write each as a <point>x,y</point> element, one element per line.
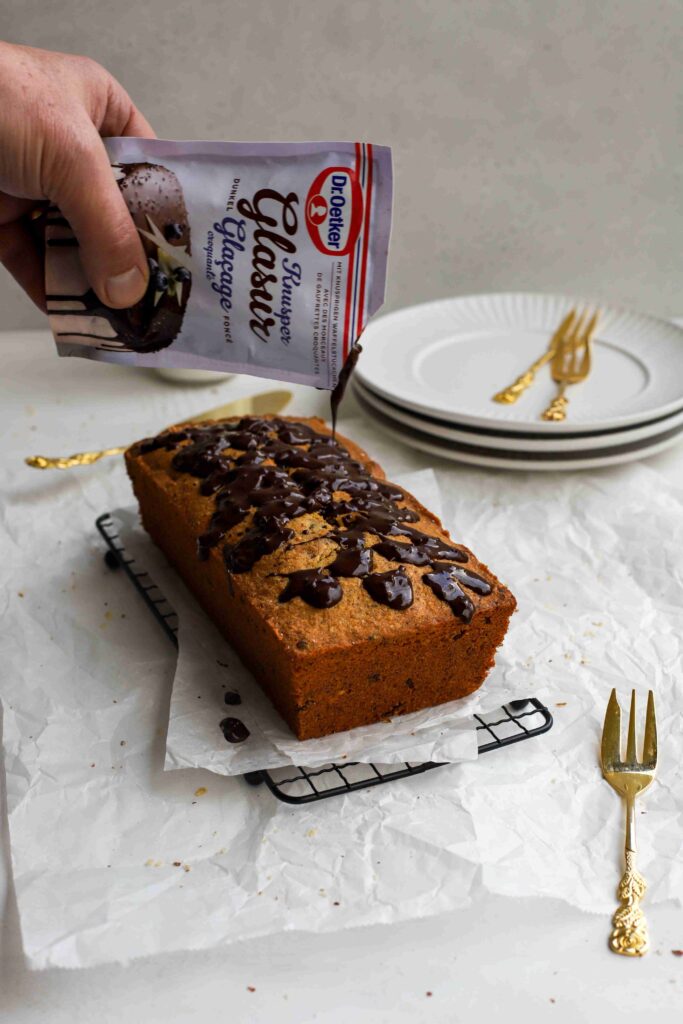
<point>357,661</point>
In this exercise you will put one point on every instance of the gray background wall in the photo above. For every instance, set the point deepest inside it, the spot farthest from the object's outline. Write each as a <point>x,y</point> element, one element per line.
<point>536,143</point>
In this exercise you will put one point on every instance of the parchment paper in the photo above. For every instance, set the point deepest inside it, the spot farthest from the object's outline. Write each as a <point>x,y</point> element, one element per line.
<point>114,858</point>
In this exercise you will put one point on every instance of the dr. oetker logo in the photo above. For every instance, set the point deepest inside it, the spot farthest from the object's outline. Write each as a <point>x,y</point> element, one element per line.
<point>334,210</point>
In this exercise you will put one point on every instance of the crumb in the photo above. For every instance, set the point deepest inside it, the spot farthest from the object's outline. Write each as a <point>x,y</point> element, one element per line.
<point>677,952</point>
<point>176,863</point>
<point>311,832</point>
<point>20,593</point>
<point>561,704</point>
<point>122,743</point>
<point>92,765</point>
<point>201,791</point>
<point>250,988</point>
<point>428,993</point>
<point>186,868</point>
<point>114,702</point>
<point>336,903</point>
<point>552,1000</point>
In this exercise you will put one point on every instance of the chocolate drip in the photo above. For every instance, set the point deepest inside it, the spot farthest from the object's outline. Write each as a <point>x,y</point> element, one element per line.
<point>422,551</point>
<point>392,588</point>
<point>265,474</point>
<point>445,582</point>
<point>315,586</point>
<point>234,730</point>
<point>352,562</point>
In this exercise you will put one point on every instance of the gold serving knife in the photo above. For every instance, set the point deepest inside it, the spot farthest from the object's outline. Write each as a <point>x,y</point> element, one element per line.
<point>250,405</point>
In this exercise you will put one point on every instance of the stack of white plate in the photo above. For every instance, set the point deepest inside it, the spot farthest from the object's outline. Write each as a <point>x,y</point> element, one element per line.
<point>428,373</point>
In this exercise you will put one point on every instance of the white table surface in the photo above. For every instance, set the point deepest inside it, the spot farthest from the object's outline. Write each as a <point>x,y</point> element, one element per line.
<point>537,960</point>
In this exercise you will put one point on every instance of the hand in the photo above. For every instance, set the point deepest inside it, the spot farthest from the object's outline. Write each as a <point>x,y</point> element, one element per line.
<point>53,110</point>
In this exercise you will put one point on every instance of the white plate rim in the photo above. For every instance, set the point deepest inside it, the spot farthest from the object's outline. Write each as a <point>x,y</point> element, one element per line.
<point>495,461</point>
<point>563,304</point>
<point>509,442</point>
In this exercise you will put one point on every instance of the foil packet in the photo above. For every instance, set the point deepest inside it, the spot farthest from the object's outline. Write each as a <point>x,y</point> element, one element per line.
<point>265,258</point>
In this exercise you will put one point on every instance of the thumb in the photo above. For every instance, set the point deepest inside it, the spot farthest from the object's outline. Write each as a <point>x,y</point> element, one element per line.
<point>110,248</point>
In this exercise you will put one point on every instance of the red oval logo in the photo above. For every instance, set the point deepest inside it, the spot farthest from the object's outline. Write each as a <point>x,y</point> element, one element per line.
<point>334,210</point>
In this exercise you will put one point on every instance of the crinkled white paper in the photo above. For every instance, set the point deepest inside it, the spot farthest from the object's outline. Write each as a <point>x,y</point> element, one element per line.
<point>114,858</point>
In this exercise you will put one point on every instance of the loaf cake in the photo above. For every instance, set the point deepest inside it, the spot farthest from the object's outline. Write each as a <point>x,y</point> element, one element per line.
<point>345,597</point>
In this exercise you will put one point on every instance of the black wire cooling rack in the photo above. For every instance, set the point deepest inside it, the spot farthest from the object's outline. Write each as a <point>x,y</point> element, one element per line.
<point>513,723</point>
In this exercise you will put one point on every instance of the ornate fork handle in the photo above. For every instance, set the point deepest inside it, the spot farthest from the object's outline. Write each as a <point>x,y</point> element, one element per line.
<point>512,393</point>
<point>629,934</point>
<point>557,410</point>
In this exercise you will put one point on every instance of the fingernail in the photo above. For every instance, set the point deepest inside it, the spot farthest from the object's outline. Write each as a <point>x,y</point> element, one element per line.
<point>125,289</point>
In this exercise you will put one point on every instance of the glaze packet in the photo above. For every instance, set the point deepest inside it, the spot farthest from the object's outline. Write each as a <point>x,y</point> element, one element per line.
<point>265,258</point>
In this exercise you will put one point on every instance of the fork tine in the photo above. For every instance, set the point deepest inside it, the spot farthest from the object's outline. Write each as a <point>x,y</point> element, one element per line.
<point>586,339</point>
<point>610,751</point>
<point>564,329</point>
<point>631,756</point>
<point>577,341</point>
<point>566,336</point>
<point>650,738</point>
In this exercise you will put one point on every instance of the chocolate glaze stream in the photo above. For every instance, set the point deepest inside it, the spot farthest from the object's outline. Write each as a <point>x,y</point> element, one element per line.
<point>340,389</point>
<point>267,473</point>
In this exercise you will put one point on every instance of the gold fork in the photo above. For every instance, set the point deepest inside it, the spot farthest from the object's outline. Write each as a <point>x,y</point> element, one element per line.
<point>571,363</point>
<point>629,778</point>
<point>510,394</point>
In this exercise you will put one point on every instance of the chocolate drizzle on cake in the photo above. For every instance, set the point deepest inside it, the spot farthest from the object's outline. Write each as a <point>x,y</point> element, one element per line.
<point>282,471</point>
<point>317,587</point>
<point>392,588</point>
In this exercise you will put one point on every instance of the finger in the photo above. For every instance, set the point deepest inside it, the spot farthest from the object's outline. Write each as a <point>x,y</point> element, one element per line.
<point>23,256</point>
<point>110,247</point>
<point>138,125</point>
<point>121,116</point>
